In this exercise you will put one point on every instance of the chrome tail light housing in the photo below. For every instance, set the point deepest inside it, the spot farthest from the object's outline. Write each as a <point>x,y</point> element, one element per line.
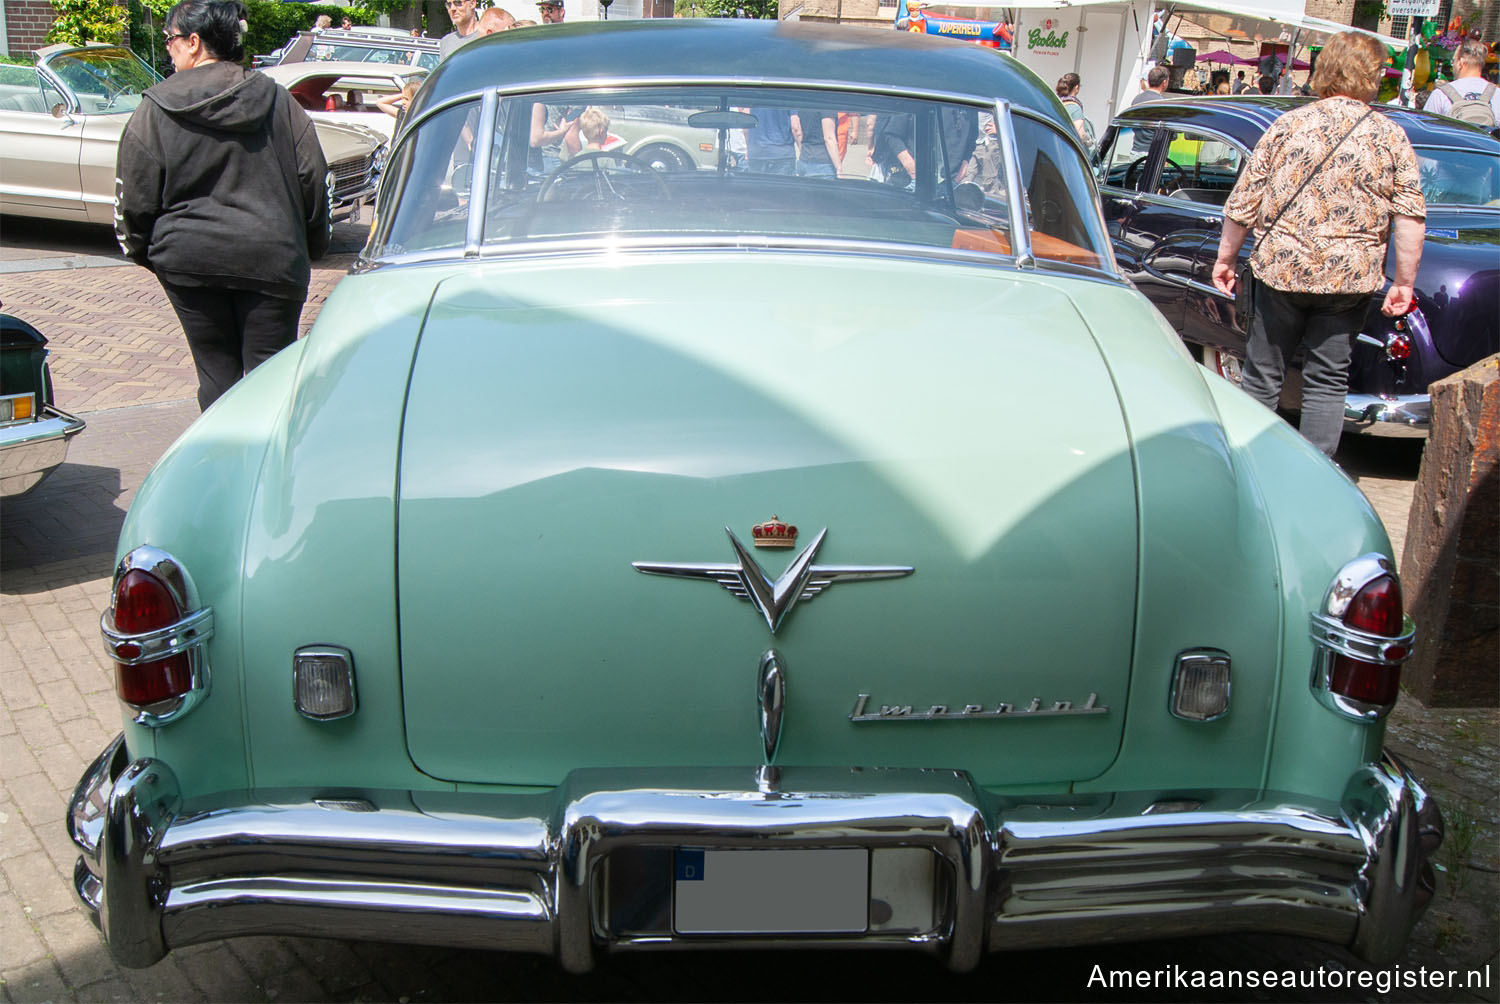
<point>156,632</point>
<point>1361,637</point>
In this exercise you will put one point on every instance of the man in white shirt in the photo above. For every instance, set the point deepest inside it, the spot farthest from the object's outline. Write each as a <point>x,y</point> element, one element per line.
<point>1468,67</point>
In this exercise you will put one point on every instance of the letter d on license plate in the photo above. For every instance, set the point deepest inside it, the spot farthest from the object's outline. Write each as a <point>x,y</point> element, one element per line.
<point>813,891</point>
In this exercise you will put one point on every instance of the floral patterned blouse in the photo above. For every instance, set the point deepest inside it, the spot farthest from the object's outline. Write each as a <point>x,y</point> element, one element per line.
<point>1332,239</point>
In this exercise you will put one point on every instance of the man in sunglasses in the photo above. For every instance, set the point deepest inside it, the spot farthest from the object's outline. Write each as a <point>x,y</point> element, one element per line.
<point>552,11</point>
<point>465,27</point>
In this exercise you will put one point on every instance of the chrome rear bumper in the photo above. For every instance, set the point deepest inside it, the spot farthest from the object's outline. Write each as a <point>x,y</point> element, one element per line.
<point>1408,415</point>
<point>586,867</point>
<point>29,451</point>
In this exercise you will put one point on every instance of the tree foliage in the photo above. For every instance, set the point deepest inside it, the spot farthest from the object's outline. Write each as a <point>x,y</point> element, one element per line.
<point>766,9</point>
<point>272,22</point>
<point>80,21</point>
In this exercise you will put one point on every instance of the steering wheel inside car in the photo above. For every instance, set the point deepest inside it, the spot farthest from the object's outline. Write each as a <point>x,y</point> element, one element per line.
<point>604,187</point>
<point>1131,172</point>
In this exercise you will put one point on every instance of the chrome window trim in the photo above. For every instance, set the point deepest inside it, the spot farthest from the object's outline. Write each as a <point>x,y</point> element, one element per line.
<point>1021,250</point>
<point>479,174</point>
<point>189,634</point>
<point>1020,226</point>
<point>1332,637</point>
<point>538,249</point>
<point>44,70</point>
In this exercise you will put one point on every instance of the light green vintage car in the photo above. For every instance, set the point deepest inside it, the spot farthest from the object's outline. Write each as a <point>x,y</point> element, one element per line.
<point>641,560</point>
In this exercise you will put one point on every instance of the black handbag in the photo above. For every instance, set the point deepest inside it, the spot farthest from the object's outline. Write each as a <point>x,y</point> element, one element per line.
<point>1244,282</point>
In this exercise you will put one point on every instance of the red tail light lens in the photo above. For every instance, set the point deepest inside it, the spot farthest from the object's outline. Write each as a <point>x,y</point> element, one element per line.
<point>1376,609</point>
<point>144,603</point>
<point>1398,347</point>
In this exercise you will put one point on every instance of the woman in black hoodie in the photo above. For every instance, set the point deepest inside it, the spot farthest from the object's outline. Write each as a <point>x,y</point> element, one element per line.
<point>222,192</point>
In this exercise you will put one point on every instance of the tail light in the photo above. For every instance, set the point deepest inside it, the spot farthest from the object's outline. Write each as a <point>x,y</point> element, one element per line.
<point>156,635</point>
<point>1362,636</point>
<point>1398,346</point>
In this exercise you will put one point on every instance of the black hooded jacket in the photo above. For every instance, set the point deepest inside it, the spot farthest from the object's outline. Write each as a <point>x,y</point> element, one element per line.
<point>221,182</point>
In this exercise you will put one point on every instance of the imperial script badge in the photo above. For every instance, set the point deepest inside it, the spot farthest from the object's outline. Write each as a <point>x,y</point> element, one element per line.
<point>802,580</point>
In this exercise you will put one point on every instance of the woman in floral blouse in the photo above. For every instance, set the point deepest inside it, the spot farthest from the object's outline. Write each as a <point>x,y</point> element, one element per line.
<point>1326,187</point>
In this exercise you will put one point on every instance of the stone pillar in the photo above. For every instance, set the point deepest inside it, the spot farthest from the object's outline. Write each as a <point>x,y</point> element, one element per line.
<point>1451,567</point>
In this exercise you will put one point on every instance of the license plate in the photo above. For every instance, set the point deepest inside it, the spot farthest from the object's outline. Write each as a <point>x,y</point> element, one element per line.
<point>771,892</point>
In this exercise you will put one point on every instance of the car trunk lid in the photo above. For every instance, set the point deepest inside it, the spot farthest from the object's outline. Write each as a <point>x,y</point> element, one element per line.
<point>958,421</point>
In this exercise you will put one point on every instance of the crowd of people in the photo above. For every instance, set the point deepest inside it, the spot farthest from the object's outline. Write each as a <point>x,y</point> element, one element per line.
<point>238,309</point>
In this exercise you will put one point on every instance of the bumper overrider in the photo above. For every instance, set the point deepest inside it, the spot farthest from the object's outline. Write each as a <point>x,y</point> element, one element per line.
<point>591,866</point>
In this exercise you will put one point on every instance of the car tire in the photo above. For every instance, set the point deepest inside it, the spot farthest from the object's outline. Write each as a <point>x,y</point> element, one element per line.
<point>664,158</point>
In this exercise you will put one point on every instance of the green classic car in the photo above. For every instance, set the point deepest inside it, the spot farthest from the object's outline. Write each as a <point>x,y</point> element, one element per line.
<point>635,559</point>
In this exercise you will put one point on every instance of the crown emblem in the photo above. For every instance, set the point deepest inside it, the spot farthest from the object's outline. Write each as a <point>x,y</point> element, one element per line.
<point>774,533</point>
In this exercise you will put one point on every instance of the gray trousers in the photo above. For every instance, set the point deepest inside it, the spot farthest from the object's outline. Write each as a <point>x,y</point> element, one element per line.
<point>1325,324</point>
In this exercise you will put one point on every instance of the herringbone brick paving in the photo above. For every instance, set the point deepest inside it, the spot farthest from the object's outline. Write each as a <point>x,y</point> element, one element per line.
<point>129,374</point>
<point>117,343</point>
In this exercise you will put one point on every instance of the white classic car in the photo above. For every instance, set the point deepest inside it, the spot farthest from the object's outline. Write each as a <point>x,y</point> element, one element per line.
<point>60,127</point>
<point>345,92</point>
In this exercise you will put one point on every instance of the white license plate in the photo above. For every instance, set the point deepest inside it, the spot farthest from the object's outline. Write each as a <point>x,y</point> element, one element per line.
<point>771,892</point>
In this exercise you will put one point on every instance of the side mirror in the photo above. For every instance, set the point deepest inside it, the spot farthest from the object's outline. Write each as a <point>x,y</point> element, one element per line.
<point>59,110</point>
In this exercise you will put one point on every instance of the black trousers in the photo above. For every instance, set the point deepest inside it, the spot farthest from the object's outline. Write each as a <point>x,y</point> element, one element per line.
<point>231,331</point>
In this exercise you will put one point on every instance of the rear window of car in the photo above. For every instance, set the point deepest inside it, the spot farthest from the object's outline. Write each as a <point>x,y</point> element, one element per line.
<point>710,163</point>
<point>1459,177</point>
<point>362,54</point>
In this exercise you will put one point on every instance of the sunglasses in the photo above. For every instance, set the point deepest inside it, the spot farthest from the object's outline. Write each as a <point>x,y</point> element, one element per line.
<point>167,36</point>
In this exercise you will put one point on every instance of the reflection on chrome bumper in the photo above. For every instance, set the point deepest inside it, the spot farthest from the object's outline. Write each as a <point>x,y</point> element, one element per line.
<point>586,867</point>
<point>29,451</point>
<point>1407,415</point>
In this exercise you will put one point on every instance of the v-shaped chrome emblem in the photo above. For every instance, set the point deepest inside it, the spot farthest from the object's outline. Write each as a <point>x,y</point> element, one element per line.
<point>774,598</point>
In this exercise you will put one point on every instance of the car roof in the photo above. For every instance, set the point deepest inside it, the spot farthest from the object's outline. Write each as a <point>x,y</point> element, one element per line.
<point>712,48</point>
<point>1246,117</point>
<point>291,72</point>
<point>382,38</point>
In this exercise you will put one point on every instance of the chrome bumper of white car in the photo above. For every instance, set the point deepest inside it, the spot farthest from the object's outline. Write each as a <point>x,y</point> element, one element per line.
<point>587,867</point>
<point>29,451</point>
<point>1407,415</point>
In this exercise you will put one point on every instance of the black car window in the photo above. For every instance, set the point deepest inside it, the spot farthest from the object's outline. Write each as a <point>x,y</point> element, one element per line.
<point>1124,158</point>
<point>1199,168</point>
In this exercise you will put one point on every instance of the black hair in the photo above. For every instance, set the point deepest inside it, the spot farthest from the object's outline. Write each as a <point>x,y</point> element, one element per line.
<point>218,24</point>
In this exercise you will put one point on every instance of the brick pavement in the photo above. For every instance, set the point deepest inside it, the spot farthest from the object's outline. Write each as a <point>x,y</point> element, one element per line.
<point>58,710</point>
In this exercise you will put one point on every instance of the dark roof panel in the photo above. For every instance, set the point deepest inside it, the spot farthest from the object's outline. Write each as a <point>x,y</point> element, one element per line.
<point>747,49</point>
<point>1246,117</point>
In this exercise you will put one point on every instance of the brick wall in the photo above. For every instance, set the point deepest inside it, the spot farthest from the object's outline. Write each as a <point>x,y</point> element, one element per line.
<point>26,24</point>
<point>1341,11</point>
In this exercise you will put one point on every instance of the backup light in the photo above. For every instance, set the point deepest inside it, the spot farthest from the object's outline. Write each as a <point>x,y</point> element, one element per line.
<point>1200,686</point>
<point>17,407</point>
<point>323,682</point>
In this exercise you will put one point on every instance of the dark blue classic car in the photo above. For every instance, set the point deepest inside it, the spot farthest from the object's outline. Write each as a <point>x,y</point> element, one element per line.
<point>1165,170</point>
